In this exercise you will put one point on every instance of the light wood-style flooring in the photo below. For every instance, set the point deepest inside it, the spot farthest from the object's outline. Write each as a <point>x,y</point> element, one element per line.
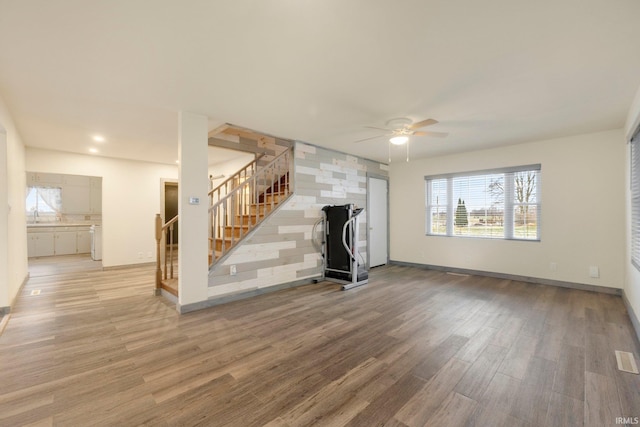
<point>62,264</point>
<point>412,348</point>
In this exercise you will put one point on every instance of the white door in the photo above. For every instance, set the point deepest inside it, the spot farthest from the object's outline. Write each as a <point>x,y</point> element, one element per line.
<point>378,222</point>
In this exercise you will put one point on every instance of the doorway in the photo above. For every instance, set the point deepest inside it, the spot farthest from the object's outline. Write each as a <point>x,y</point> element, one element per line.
<point>378,221</point>
<point>171,208</point>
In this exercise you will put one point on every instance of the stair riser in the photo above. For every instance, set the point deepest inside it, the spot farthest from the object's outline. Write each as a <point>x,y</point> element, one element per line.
<point>277,198</point>
<point>236,231</point>
<point>219,244</point>
<point>261,209</point>
<point>248,219</point>
<point>270,198</point>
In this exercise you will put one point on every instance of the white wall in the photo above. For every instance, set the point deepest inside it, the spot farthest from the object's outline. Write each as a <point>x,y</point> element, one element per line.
<point>228,167</point>
<point>579,172</point>
<point>632,275</point>
<point>130,199</point>
<point>13,241</point>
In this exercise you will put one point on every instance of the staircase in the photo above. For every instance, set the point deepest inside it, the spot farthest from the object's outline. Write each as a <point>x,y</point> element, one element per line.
<point>236,207</point>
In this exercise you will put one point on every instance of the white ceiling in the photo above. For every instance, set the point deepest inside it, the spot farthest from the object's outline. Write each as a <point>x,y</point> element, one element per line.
<point>495,72</point>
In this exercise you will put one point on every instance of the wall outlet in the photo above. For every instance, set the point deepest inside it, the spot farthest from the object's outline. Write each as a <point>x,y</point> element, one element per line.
<point>594,271</point>
<point>232,270</point>
<point>140,255</point>
<point>149,255</point>
<point>553,266</point>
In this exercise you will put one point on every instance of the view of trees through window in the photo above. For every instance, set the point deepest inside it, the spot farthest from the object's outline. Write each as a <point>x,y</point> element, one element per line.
<point>501,205</point>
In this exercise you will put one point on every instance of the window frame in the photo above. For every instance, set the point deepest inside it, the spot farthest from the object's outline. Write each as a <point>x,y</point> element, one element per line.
<point>509,204</point>
<point>51,211</point>
<point>634,194</point>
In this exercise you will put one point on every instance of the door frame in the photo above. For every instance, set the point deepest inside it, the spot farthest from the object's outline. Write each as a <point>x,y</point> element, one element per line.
<point>386,179</point>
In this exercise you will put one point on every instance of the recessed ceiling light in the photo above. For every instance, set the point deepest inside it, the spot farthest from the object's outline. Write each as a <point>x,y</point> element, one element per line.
<point>178,161</point>
<point>93,150</point>
<point>98,138</point>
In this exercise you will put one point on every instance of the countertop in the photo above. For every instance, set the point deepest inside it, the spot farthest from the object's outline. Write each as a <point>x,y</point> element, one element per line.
<point>57,224</point>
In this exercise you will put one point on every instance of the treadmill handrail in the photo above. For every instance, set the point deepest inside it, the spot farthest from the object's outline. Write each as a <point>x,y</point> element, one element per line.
<point>344,237</point>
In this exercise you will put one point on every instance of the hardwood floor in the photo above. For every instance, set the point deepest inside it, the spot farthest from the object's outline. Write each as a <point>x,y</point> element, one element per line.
<point>412,348</point>
<point>55,265</point>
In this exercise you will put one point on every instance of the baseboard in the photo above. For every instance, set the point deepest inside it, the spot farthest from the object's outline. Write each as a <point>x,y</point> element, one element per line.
<point>632,315</point>
<point>212,302</point>
<point>168,296</point>
<point>5,311</point>
<point>535,280</point>
<point>4,321</point>
<point>125,266</point>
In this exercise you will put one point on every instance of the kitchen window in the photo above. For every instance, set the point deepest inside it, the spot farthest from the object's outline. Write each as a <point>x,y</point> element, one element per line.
<point>43,201</point>
<point>498,204</point>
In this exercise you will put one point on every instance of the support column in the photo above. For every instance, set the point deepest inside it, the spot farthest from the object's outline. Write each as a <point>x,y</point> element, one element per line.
<point>193,262</point>
<point>5,298</point>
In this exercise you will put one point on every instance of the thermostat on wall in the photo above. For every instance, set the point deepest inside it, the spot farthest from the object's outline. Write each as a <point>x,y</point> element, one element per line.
<point>194,200</point>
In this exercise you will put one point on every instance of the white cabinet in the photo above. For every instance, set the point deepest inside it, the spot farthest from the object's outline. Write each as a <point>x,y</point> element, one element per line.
<point>96,195</point>
<point>58,240</point>
<point>76,199</point>
<point>80,194</point>
<point>83,242</point>
<point>40,244</point>
<point>52,179</point>
<point>77,180</point>
<point>31,244</point>
<point>65,242</point>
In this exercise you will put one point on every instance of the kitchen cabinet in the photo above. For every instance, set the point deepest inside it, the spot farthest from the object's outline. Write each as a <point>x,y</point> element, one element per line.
<point>58,240</point>
<point>76,199</point>
<point>83,242</point>
<point>40,244</point>
<point>65,242</point>
<point>35,178</point>
<point>95,202</point>
<point>76,180</point>
<point>81,195</point>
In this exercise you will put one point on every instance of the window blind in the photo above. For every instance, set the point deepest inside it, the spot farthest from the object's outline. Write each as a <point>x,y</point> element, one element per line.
<point>498,203</point>
<point>635,200</point>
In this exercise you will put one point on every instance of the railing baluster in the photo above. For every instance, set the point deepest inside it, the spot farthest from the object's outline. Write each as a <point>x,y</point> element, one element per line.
<point>171,250</point>
<point>257,193</point>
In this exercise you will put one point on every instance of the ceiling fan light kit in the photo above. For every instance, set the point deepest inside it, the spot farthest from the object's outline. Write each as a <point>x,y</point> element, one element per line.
<point>399,140</point>
<point>400,129</point>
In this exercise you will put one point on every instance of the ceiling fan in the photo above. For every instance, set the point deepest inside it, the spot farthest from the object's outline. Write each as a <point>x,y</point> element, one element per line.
<point>399,130</point>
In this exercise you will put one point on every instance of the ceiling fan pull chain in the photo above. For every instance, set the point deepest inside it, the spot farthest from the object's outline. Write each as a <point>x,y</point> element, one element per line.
<point>389,146</point>
<point>408,150</point>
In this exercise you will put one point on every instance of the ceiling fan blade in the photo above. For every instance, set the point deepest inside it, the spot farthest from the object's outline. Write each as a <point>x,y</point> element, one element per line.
<point>434,134</point>
<point>427,122</point>
<point>377,128</point>
<point>371,137</point>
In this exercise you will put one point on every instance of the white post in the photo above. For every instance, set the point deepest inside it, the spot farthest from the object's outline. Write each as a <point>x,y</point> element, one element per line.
<point>193,264</point>
<point>5,299</point>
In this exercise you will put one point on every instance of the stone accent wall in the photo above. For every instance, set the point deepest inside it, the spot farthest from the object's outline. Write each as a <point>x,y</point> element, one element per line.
<point>282,250</point>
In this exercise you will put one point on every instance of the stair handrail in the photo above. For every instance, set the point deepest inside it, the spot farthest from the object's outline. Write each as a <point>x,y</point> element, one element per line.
<point>161,233</point>
<point>238,201</point>
<point>253,165</point>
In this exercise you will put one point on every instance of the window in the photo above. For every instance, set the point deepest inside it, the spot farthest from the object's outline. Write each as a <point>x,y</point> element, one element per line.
<point>498,204</point>
<point>43,200</point>
<point>635,199</point>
